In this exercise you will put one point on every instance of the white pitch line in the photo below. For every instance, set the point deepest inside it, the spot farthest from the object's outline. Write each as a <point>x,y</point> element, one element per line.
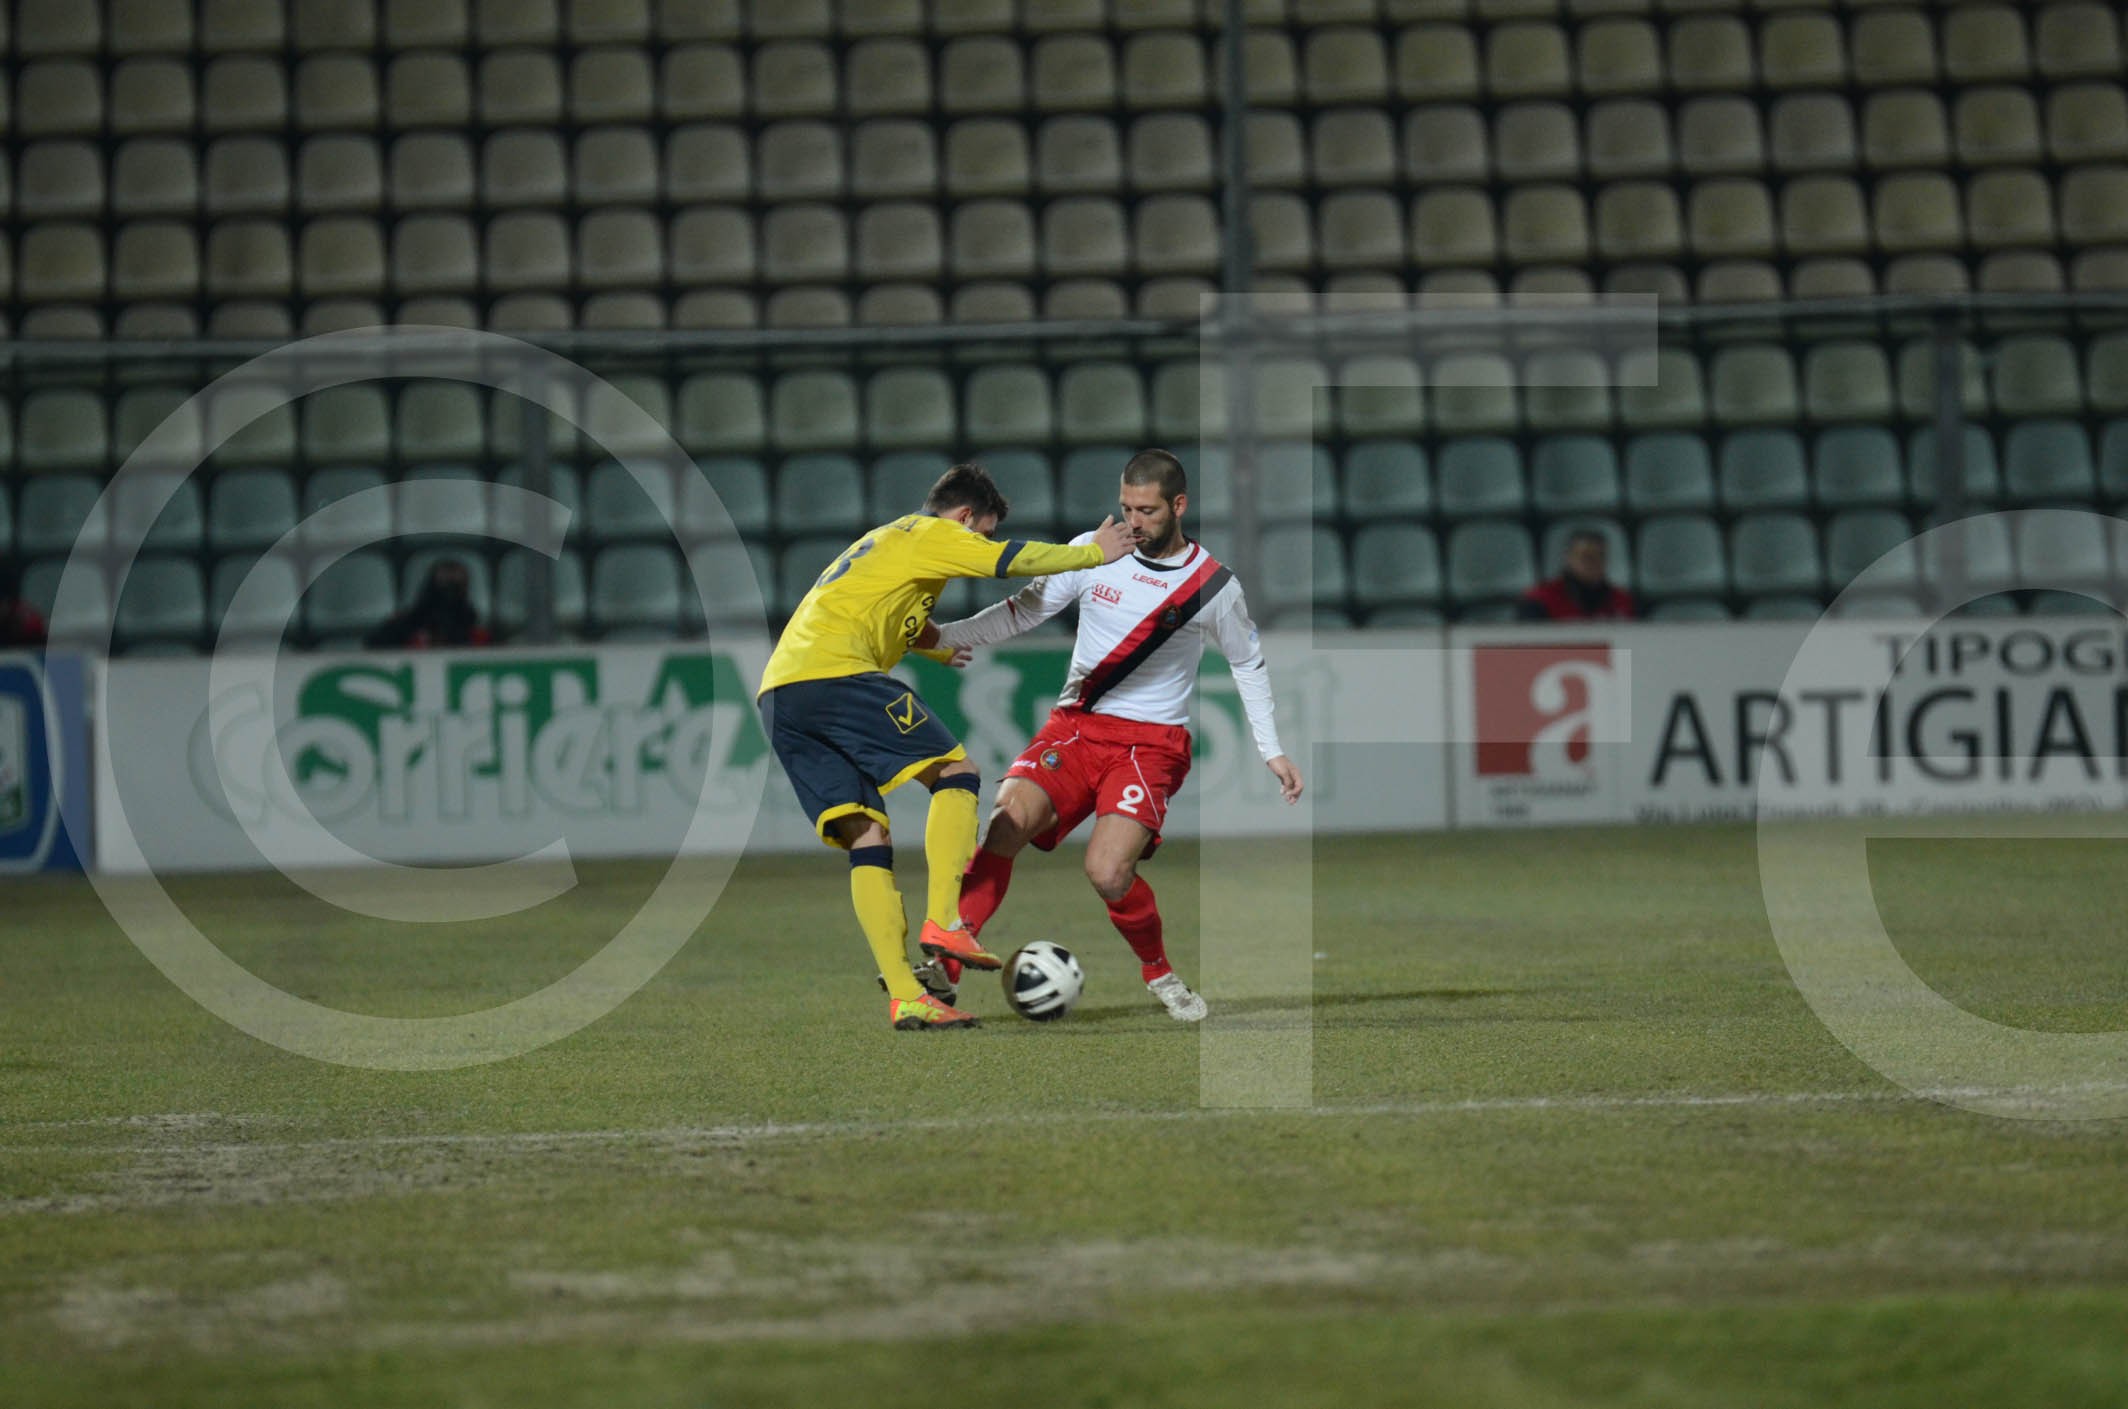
<point>742,1134</point>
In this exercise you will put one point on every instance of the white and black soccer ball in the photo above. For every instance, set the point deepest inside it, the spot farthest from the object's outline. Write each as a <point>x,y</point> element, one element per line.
<point>1042,981</point>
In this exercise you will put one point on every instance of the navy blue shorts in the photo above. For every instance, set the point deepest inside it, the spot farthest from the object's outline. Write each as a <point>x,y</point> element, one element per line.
<point>848,741</point>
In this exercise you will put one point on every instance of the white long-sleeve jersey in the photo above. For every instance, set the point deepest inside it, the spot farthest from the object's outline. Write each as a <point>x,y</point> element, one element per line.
<point>1143,625</point>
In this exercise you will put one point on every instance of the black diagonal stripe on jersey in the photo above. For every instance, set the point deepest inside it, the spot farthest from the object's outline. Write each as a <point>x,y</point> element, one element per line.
<point>1185,611</point>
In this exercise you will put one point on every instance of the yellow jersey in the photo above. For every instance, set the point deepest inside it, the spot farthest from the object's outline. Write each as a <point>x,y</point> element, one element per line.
<point>873,601</point>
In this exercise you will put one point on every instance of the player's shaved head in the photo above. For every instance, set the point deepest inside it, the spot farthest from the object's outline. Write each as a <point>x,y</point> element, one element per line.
<point>1160,468</point>
<point>967,487</point>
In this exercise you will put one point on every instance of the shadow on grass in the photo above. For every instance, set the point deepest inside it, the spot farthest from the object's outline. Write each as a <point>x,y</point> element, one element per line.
<point>1246,1006</point>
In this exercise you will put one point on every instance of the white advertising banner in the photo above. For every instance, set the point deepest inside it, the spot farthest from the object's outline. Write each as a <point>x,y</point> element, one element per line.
<point>637,750</point>
<point>1696,723</point>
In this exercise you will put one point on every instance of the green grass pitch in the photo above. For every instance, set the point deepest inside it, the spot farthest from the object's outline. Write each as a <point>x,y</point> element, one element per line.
<point>1577,1141</point>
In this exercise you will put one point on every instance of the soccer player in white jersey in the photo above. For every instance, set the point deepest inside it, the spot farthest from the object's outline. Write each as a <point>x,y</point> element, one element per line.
<point>1117,746</point>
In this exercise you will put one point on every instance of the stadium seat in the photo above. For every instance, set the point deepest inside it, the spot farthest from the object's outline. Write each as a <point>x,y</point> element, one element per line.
<point>804,243</point>
<point>1101,401</point>
<point>1823,215</point>
<point>1731,281</point>
<point>1982,480</point>
<point>1480,477</point>
<point>1858,539</point>
<point>1574,474</point>
<point>1763,469</point>
<point>1525,59</point>
<point>1904,128</point>
<point>1997,126</point>
<point>1489,560</point>
<point>2048,461</point>
<point>1449,226</point>
<point>887,77</point>
<point>1380,396</point>
<point>1667,472</point>
<point>1170,235</point>
<point>1294,556</point>
<point>1628,137</point>
<point>1986,553</point>
<point>907,407</point>
<point>1847,381</point>
<point>1566,390</point>
<point>899,240</point>
<point>1617,55</point>
<point>2079,39</point>
<point>2094,205</point>
<point>2036,375</point>
<point>1167,70</point>
<point>261,625</point>
<point>1365,230</point>
<point>1667,394</point>
<point>442,499</point>
<point>618,505</point>
<point>1386,479</point>
<point>1774,554</point>
<point>1857,467</point>
<point>1534,141</point>
<point>1985,43</point>
<point>1754,383</point>
<point>636,586</point>
<point>513,575</point>
<point>2009,208</point>
<point>1090,476</point>
<point>814,410</point>
<point>58,512</point>
<point>738,483</point>
<point>1446,142</point>
<point>2061,549</point>
<point>2087,122</point>
<point>1395,564</point>
<point>1892,46</point>
<point>698,81</point>
<point>1007,404</point>
<point>1731,218</point>
<point>250,509</point>
<point>340,173</point>
<point>1185,406</point>
<point>722,576</point>
<point>899,482</point>
<point>991,239</point>
<point>1812,132</point>
<point>1473,393</point>
<point>1917,380</point>
<point>796,78</point>
<point>1545,224</point>
<point>1436,63</point>
<point>800,160</point>
<point>1720,136</point>
<point>1070,73</point>
<point>1916,211</point>
<point>351,597</point>
<point>1710,53</point>
<point>1680,555</point>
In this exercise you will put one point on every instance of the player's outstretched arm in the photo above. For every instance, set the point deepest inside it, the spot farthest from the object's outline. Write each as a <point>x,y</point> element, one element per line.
<point>1238,640</point>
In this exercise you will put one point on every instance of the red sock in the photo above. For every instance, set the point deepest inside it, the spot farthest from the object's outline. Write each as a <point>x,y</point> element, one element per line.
<point>1137,918</point>
<point>983,888</point>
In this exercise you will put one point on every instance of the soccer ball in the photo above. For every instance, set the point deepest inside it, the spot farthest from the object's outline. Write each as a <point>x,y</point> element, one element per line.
<point>1042,981</point>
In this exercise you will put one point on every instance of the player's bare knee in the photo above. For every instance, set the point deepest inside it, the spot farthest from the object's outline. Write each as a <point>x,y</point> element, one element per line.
<point>1112,879</point>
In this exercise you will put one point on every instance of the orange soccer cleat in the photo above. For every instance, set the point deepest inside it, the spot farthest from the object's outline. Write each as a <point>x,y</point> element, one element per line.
<point>957,944</point>
<point>926,1014</point>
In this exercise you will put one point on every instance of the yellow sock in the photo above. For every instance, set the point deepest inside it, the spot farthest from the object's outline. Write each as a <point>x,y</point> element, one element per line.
<point>949,840</point>
<point>886,925</point>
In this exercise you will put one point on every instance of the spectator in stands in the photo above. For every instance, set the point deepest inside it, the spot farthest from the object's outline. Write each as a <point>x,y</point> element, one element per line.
<point>442,615</point>
<point>1581,591</point>
<point>21,625</point>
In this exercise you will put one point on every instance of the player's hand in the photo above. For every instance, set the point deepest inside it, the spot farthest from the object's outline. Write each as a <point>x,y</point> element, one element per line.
<point>1113,539</point>
<point>960,658</point>
<point>1289,783</point>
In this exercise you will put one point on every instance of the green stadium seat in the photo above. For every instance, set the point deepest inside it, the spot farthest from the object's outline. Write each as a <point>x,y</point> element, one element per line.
<point>635,586</point>
<point>1535,141</point>
<point>249,509</point>
<point>1916,211</point>
<point>1859,538</point>
<point>819,493</point>
<point>447,499</point>
<point>1996,126</point>
<point>136,517</point>
<point>1667,472</point>
<point>739,483</point>
<point>2087,122</point>
<point>513,576</point>
<point>1489,560</point>
<point>814,410</point>
<point>1847,381</point>
<point>1071,73</point>
<point>1211,481</point>
<point>1029,487</point>
<point>1763,469</point>
<point>1917,380</point>
<point>282,589</point>
<point>1473,393</point>
<point>618,505</point>
<point>1349,147</point>
<point>1812,132</point>
<point>889,159</point>
<point>2036,375</point>
<point>2048,461</point>
<point>1771,555</point>
<point>1665,392</point>
<point>1480,477</point>
<point>1639,220</point>
<point>63,430</point>
<point>327,486</point>
<point>1101,401</point>
<point>1731,218</point>
<point>1566,390</point>
<point>1985,43</point>
<point>1380,396</point>
<point>1295,480</point>
<point>1783,608</point>
<point>1739,281</point>
<point>1574,474</point>
<point>1876,606</point>
<point>909,407</point>
<point>346,423</point>
<point>1710,53</point>
<point>1091,476</point>
<point>162,599</point>
<point>351,597</point>
<point>1395,564</point>
<point>1985,544</point>
<point>1293,556</point>
<point>1628,138</point>
<point>1892,46</point>
<point>1436,63</point>
<point>1387,479</point>
<point>1857,467</point>
<point>1720,136</point>
<point>2079,39</point>
<point>1617,55</point>
<point>1345,64</point>
<point>2064,548</point>
<point>1693,609</point>
<point>1365,230</point>
<point>2051,603</point>
<point>886,77</point>
<point>2113,460</point>
<point>726,577</point>
<point>1983,479</point>
<point>900,481</point>
<point>1754,384</point>
<point>1450,225</point>
<point>1903,129</point>
<point>1680,555</point>
<point>58,512</point>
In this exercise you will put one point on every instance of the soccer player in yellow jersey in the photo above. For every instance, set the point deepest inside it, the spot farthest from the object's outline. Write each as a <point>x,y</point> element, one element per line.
<point>847,733</point>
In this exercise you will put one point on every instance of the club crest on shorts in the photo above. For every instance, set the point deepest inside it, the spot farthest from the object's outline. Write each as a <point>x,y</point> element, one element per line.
<point>906,712</point>
<point>1050,759</point>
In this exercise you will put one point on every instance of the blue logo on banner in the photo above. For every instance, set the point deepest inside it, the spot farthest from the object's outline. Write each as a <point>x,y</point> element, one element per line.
<point>42,709</point>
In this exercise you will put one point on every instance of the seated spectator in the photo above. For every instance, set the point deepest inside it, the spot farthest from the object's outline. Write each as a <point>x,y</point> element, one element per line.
<point>21,625</point>
<point>442,615</point>
<point>1581,591</point>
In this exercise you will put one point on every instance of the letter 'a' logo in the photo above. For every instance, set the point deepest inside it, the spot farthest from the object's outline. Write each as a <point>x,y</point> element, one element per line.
<point>1538,707</point>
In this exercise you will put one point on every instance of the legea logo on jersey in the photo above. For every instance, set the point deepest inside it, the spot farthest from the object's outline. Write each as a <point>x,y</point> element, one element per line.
<point>1539,708</point>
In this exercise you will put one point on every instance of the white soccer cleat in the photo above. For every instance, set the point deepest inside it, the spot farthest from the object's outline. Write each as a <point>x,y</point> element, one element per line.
<point>1181,1004</point>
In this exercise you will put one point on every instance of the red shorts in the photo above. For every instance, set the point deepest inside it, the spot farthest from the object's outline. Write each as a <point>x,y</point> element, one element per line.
<point>1099,765</point>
